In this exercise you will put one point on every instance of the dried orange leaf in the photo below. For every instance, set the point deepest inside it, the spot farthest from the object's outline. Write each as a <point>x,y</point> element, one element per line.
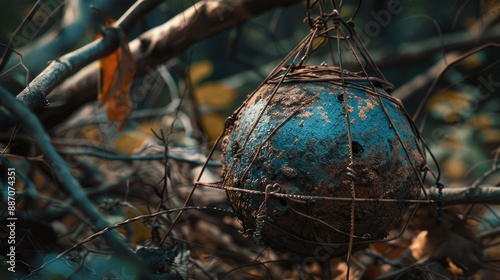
<point>117,73</point>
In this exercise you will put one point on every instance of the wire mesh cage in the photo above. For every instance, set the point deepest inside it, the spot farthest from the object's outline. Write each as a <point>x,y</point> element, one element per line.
<point>321,156</point>
<point>320,161</point>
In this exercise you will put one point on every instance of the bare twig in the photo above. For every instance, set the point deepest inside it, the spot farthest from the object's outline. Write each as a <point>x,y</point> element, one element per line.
<point>10,47</point>
<point>138,157</point>
<point>449,66</point>
<point>166,41</point>
<point>30,123</point>
<point>109,229</point>
<point>421,51</point>
<point>152,48</point>
<point>33,96</point>
<point>423,80</point>
<point>32,192</point>
<point>484,194</point>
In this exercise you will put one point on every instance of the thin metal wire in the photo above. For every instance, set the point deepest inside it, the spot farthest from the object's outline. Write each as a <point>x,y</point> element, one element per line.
<point>334,30</point>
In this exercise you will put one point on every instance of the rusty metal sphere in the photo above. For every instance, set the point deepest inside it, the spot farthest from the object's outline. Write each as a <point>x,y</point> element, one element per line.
<point>298,140</point>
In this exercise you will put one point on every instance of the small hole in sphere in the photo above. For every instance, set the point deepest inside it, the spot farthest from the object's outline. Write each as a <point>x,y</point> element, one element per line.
<point>283,201</point>
<point>340,97</point>
<point>357,149</point>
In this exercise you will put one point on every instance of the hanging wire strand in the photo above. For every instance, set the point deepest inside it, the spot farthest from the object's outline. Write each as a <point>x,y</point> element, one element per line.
<point>344,47</point>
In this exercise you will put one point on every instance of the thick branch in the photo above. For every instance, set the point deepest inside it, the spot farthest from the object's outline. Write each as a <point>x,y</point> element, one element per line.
<point>482,194</point>
<point>154,47</point>
<point>33,96</point>
<point>201,21</point>
<point>207,18</point>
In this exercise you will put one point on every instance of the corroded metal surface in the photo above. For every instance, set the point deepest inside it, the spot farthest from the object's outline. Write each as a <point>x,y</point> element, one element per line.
<point>296,139</point>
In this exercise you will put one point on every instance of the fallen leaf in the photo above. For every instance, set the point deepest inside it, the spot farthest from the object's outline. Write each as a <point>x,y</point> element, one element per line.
<point>213,124</point>
<point>450,244</point>
<point>131,141</point>
<point>117,73</point>
<point>200,70</point>
<point>215,94</point>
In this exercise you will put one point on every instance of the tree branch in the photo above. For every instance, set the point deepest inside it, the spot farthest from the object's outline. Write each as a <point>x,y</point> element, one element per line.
<point>152,48</point>
<point>207,18</point>
<point>164,42</point>
<point>422,81</point>
<point>483,194</point>
<point>33,96</point>
<point>416,52</point>
<point>31,124</point>
<point>61,39</point>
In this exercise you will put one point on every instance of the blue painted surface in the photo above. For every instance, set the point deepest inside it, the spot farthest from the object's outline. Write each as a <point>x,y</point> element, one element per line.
<point>308,154</point>
<point>317,136</point>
